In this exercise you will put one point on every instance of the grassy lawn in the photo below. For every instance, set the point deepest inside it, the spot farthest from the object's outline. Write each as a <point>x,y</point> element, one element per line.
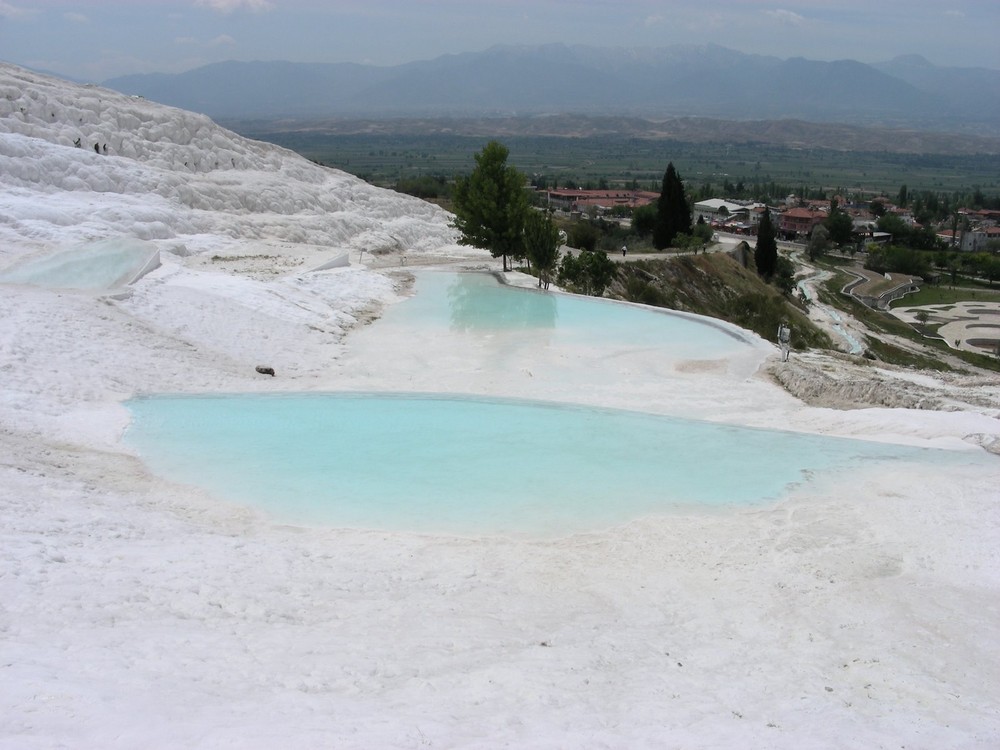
<point>875,289</point>
<point>946,295</point>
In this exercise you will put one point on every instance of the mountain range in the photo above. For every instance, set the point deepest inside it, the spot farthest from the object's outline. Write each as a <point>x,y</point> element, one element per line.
<point>680,80</point>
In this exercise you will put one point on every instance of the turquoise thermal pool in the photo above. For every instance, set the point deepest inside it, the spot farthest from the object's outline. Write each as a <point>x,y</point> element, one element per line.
<point>93,266</point>
<point>475,304</point>
<point>472,465</point>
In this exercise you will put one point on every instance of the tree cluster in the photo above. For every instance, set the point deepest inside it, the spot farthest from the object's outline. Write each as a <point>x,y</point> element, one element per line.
<point>587,273</point>
<point>428,187</point>
<point>908,260</point>
<point>917,237</point>
<point>839,225</point>
<point>492,212</point>
<point>898,259</point>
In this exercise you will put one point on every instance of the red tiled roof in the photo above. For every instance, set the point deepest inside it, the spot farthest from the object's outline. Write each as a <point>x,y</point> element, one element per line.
<point>801,213</point>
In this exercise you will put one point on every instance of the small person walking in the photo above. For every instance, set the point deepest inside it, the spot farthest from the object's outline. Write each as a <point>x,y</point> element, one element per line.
<point>784,340</point>
<point>624,250</point>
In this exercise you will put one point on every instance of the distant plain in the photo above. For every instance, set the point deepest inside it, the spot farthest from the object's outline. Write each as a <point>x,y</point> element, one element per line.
<point>796,154</point>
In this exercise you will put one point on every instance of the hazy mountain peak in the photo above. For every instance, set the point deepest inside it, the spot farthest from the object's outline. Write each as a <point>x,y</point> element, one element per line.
<point>706,80</point>
<point>916,61</point>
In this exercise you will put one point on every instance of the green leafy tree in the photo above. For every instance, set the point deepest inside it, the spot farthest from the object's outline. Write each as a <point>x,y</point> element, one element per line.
<point>583,235</point>
<point>897,259</point>
<point>541,243</point>
<point>925,238</point>
<point>427,187</point>
<point>600,270</point>
<point>673,215</point>
<point>988,267</point>
<point>702,231</point>
<point>894,225</point>
<point>819,242</point>
<point>784,275</point>
<point>644,220</point>
<point>766,254</point>
<point>490,205</point>
<point>589,272</point>
<point>839,225</point>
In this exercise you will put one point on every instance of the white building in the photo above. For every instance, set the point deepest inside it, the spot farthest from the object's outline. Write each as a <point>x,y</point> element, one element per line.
<point>712,210</point>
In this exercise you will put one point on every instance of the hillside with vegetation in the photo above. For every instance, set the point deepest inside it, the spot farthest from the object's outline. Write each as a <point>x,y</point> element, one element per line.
<point>717,285</point>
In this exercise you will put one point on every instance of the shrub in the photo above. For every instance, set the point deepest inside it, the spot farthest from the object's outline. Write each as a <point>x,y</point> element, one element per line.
<point>588,273</point>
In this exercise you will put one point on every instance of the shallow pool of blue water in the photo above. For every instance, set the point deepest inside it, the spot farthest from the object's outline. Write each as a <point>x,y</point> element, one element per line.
<point>104,264</point>
<point>473,465</point>
<point>476,304</point>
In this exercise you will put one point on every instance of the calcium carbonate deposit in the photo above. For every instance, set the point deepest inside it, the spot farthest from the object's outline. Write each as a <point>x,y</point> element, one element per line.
<point>858,610</point>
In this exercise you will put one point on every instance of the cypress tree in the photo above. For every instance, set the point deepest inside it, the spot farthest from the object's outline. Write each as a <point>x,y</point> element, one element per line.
<point>673,215</point>
<point>766,254</point>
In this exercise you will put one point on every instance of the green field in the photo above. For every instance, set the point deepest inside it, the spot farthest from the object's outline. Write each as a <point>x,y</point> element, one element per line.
<point>623,161</point>
<point>947,295</point>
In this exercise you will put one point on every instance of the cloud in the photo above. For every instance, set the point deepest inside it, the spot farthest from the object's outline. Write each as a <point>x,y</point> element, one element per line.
<point>229,6</point>
<point>714,20</point>
<point>654,20</point>
<point>787,17</point>
<point>222,40</point>
<point>76,17</point>
<point>955,13</point>
<point>13,12</point>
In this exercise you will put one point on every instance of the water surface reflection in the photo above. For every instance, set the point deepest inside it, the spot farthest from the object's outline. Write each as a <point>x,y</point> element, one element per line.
<point>478,303</point>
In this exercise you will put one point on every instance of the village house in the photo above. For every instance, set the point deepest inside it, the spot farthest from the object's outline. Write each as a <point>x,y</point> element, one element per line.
<point>799,222</point>
<point>903,213</point>
<point>978,240</point>
<point>984,217</point>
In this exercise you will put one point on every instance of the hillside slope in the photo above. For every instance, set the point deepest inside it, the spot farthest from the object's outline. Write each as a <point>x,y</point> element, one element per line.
<point>237,225</point>
<point>715,284</point>
<point>90,163</point>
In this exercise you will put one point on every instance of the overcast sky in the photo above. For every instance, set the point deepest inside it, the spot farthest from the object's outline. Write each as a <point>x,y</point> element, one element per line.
<point>97,39</point>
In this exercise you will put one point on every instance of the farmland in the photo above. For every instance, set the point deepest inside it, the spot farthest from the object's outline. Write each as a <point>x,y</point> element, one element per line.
<point>385,155</point>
